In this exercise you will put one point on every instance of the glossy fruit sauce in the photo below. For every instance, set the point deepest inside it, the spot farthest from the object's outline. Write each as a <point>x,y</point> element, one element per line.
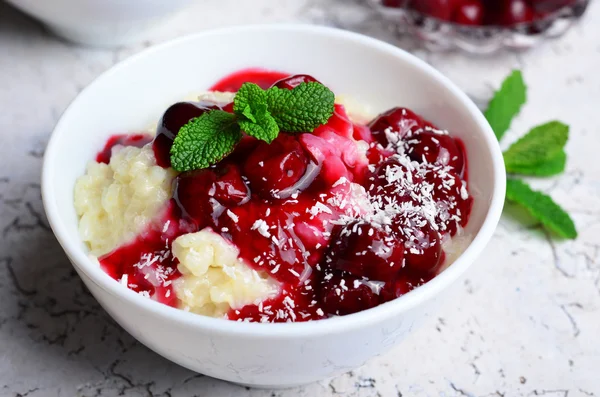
<point>344,218</point>
<point>137,140</point>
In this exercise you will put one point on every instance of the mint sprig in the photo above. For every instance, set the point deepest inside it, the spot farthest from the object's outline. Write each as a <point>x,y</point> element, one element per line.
<point>250,101</point>
<point>205,140</point>
<point>302,109</point>
<point>208,139</point>
<point>542,207</point>
<point>554,166</point>
<point>250,105</point>
<point>539,153</point>
<point>506,103</point>
<point>538,146</point>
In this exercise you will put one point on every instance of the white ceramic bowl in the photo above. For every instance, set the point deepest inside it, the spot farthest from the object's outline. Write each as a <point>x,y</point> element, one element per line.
<point>101,23</point>
<point>136,92</point>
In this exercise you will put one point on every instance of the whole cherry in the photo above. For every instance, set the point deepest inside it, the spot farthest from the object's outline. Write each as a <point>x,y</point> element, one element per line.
<point>512,12</point>
<point>433,147</point>
<point>342,293</point>
<point>365,250</point>
<point>441,9</point>
<point>198,193</point>
<point>191,193</point>
<point>175,117</point>
<point>229,187</point>
<point>453,201</point>
<point>423,244</point>
<point>396,122</point>
<point>395,289</point>
<point>469,12</point>
<point>276,167</point>
<point>394,180</point>
<point>292,82</point>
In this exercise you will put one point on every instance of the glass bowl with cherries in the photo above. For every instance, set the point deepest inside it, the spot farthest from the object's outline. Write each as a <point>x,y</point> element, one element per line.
<point>481,26</point>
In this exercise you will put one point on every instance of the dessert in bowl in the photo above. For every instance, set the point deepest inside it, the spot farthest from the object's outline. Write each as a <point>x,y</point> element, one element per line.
<point>299,227</point>
<point>318,233</point>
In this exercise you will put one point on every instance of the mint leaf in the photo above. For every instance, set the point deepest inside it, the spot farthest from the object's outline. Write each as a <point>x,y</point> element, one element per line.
<point>553,166</point>
<point>265,128</point>
<point>538,146</point>
<point>250,102</point>
<point>542,207</point>
<point>506,103</point>
<point>205,140</point>
<point>301,109</point>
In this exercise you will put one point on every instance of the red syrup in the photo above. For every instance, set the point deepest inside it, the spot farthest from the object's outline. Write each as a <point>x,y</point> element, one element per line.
<point>288,207</point>
<point>146,265</point>
<point>137,140</point>
<point>261,77</point>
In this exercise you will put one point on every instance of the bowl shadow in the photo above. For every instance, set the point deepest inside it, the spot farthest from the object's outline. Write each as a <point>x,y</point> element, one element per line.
<point>16,23</point>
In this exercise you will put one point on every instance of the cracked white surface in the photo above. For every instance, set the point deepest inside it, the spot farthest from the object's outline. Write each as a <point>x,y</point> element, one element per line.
<point>524,323</point>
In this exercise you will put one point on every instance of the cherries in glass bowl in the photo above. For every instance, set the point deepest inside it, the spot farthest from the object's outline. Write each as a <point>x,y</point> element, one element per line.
<point>481,26</point>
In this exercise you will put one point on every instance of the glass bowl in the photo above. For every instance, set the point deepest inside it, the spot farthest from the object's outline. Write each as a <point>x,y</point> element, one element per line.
<point>440,35</point>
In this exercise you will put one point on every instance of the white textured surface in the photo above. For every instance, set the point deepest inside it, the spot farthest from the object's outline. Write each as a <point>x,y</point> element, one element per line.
<point>525,323</point>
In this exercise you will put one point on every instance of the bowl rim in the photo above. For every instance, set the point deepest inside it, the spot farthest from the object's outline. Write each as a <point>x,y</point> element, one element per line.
<point>340,324</point>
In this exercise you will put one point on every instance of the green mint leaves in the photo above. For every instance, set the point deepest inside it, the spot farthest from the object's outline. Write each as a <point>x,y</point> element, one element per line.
<point>542,207</point>
<point>554,166</point>
<point>250,104</point>
<point>205,141</point>
<point>259,113</point>
<point>538,153</point>
<point>541,145</point>
<point>506,103</point>
<point>302,109</point>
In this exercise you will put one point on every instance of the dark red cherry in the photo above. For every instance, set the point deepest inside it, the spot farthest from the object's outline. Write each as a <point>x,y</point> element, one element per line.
<point>512,12</point>
<point>343,293</point>
<point>452,199</point>
<point>395,289</point>
<point>397,120</point>
<point>294,81</point>
<point>440,9</point>
<point>423,244</point>
<point>469,12</point>
<point>172,120</point>
<point>243,149</point>
<point>367,251</point>
<point>394,180</point>
<point>229,187</point>
<point>395,3</point>
<point>191,193</point>
<point>431,147</point>
<point>274,168</point>
<point>377,154</point>
<point>199,193</point>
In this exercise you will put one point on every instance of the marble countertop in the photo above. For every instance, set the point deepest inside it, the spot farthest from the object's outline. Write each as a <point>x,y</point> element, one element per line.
<point>525,322</point>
